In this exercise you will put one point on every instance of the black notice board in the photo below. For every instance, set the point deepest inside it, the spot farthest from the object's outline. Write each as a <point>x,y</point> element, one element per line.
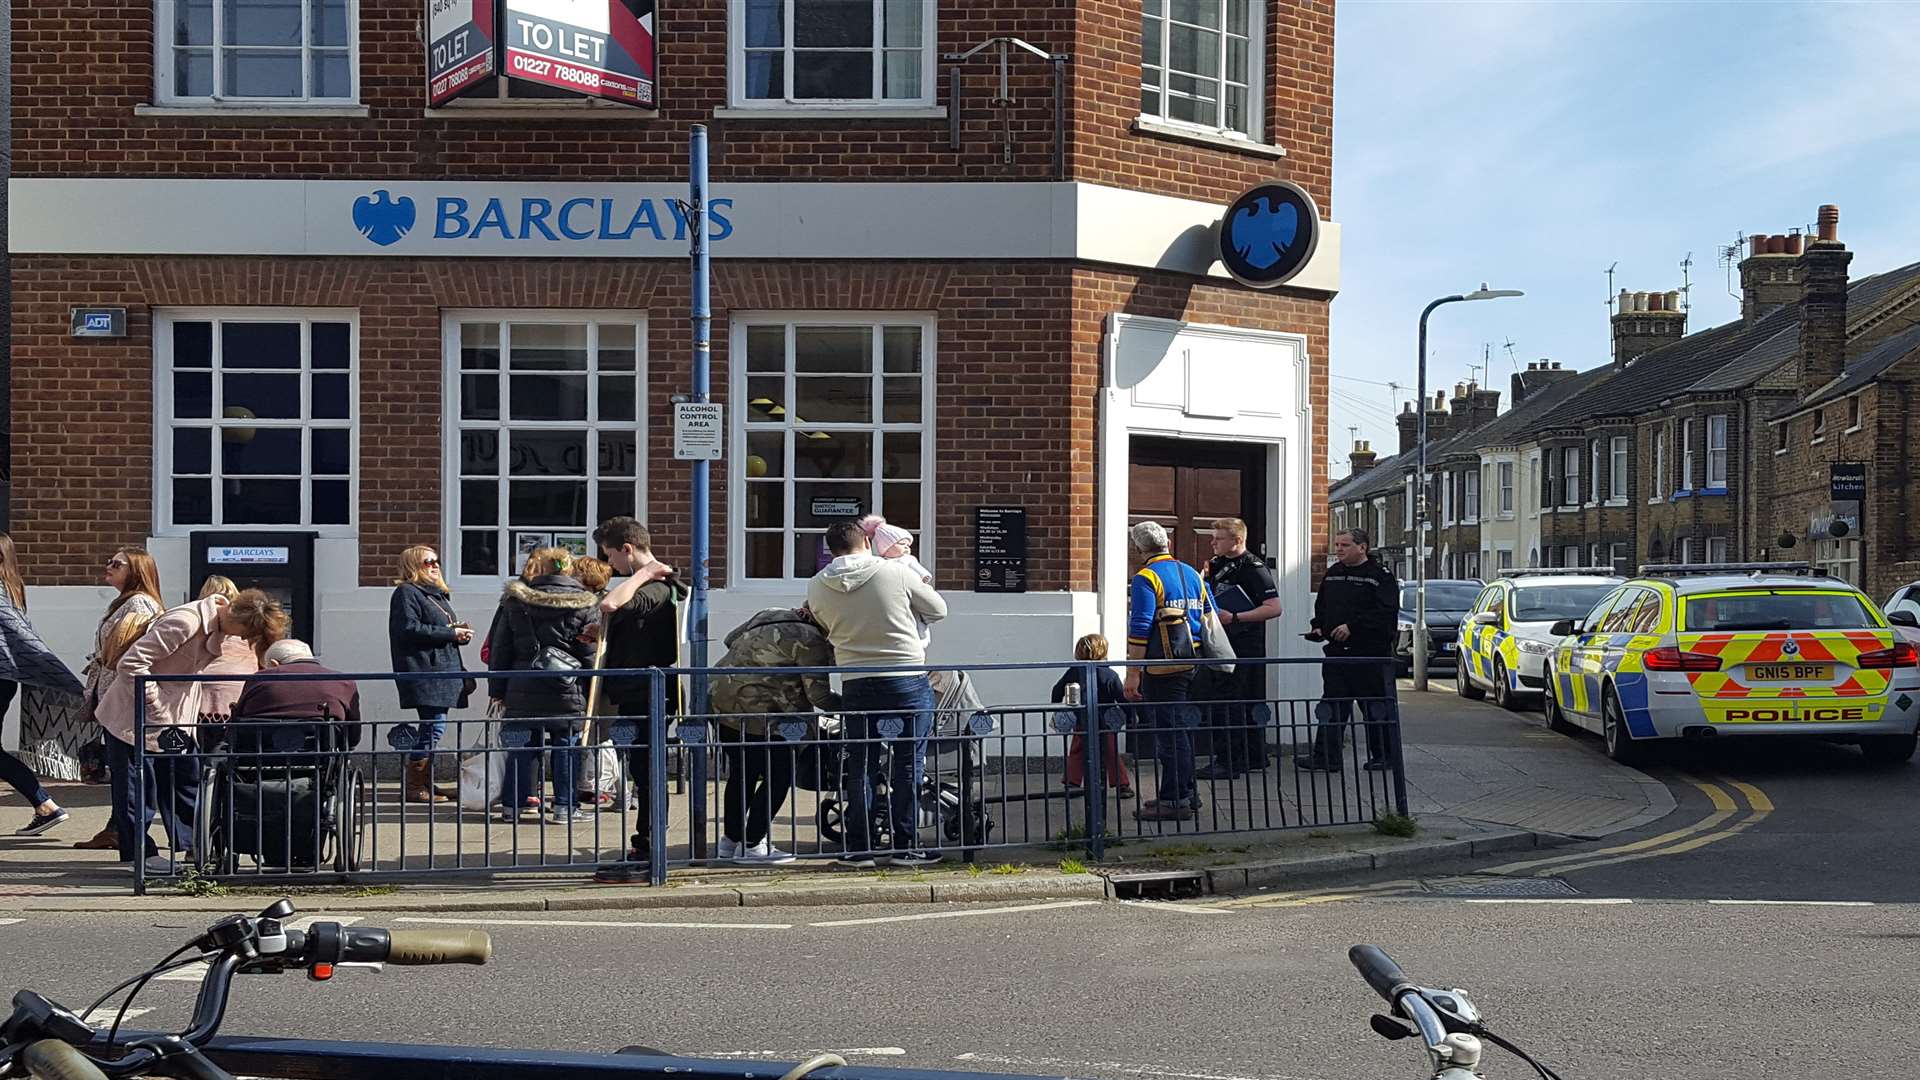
<point>1847,481</point>
<point>1000,549</point>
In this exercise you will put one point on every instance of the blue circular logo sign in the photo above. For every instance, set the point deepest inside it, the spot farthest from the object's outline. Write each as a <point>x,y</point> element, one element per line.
<point>1268,234</point>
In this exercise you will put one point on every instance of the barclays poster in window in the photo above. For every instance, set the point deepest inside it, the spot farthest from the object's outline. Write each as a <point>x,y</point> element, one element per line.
<point>599,48</point>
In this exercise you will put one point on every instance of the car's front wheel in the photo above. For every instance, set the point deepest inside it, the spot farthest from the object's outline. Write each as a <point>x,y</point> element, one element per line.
<point>1889,749</point>
<point>1503,695</point>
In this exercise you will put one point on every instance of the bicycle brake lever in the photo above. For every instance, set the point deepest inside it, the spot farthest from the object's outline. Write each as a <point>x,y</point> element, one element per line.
<point>1392,1028</point>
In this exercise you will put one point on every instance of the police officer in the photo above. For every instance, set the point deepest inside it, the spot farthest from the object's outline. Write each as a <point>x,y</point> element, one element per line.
<point>1357,614</point>
<point>1244,593</point>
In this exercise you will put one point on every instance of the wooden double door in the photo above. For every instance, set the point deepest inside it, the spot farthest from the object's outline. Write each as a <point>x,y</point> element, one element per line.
<point>1187,484</point>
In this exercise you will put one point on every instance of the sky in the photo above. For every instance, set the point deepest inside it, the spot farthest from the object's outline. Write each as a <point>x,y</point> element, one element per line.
<point>1532,145</point>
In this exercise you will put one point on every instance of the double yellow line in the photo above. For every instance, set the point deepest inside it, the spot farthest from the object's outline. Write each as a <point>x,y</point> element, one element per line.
<point>1724,822</point>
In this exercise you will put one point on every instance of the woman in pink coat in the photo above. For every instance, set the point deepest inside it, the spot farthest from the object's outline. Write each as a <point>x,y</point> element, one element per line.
<point>187,640</point>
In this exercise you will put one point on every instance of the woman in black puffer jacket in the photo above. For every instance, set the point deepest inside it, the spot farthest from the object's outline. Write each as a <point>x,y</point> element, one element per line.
<point>547,617</point>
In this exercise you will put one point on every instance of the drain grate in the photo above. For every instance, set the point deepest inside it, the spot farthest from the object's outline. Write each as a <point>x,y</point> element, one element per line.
<point>1481,885</point>
<point>1168,885</point>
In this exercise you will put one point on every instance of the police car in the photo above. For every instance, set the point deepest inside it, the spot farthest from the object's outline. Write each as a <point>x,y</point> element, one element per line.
<point>1748,649</point>
<point>1507,635</point>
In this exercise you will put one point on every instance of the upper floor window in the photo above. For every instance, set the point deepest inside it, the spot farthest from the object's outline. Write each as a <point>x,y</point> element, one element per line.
<point>1593,470</point>
<point>1716,451</point>
<point>211,52</point>
<point>1853,413</point>
<point>1506,489</point>
<point>1200,63</point>
<point>1617,479</point>
<point>256,410</point>
<point>1472,511</point>
<point>1660,464</point>
<point>831,53</point>
<point>1686,457</point>
<point>1570,476</point>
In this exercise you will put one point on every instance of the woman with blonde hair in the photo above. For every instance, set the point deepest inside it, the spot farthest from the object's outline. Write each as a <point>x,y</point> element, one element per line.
<point>24,658</point>
<point>136,577</point>
<point>187,640</point>
<point>423,634</point>
<point>236,658</point>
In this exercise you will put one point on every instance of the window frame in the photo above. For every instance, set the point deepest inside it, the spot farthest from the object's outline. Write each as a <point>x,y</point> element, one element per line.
<point>926,539</point>
<point>1256,131</point>
<point>1685,482</point>
<point>1569,477</point>
<point>164,319</point>
<point>451,425</point>
<point>1719,420</point>
<point>1470,497</point>
<point>1593,470</point>
<point>738,101</point>
<point>1855,413</point>
<point>1722,543</point>
<point>1617,451</point>
<point>1659,464</point>
<point>1505,471</point>
<point>163,54</point>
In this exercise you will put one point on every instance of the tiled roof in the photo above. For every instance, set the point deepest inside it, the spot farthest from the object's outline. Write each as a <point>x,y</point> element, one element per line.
<point>1384,475</point>
<point>1767,356</point>
<point>1867,366</point>
<point>1515,420</point>
<point>1671,369</point>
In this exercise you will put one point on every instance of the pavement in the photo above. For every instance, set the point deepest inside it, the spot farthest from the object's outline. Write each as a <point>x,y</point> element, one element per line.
<point>1480,781</point>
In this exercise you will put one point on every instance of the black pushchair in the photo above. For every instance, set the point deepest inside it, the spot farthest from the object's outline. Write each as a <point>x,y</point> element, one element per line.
<point>952,800</point>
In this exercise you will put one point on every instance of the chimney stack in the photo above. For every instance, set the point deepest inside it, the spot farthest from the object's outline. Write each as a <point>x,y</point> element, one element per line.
<point>1409,425</point>
<point>1539,374</point>
<point>1769,275</point>
<point>1438,419</point>
<point>1645,321</point>
<point>1822,271</point>
<point>1362,458</point>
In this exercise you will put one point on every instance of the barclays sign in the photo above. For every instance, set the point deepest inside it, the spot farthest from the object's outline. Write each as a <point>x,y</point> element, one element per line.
<point>385,220</point>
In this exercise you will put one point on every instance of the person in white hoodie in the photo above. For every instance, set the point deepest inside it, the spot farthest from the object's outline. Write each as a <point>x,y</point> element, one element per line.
<point>872,610</point>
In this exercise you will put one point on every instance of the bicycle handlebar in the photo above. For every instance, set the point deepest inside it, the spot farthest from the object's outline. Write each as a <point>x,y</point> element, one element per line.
<point>51,1059</point>
<point>1380,971</point>
<point>424,947</point>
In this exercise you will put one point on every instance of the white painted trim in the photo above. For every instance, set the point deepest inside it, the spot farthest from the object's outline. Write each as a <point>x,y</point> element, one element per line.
<point>832,113</point>
<point>926,540</point>
<point>1219,140</point>
<point>857,220</point>
<point>164,97</point>
<point>161,371</point>
<point>1257,62</point>
<point>736,65</point>
<point>254,109</point>
<point>593,110</point>
<point>450,424</point>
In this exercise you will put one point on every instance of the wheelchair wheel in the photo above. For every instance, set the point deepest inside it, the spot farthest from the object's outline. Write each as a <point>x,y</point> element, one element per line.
<point>350,820</point>
<point>827,819</point>
<point>212,847</point>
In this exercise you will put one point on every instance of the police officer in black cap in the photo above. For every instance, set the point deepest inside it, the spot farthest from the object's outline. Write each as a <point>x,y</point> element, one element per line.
<point>1356,614</point>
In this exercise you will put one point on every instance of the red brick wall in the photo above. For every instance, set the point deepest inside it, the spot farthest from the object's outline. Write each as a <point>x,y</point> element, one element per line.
<point>81,67</point>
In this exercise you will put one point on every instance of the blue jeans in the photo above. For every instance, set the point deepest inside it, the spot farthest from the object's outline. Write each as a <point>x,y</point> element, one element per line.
<point>1172,738</point>
<point>869,701</point>
<point>558,738</point>
<point>172,783</point>
<point>419,739</point>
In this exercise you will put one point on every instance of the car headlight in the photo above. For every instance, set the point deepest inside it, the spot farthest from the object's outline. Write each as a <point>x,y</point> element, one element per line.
<point>1536,648</point>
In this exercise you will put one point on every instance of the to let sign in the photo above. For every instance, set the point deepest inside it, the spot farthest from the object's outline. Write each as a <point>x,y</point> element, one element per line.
<point>1847,481</point>
<point>600,48</point>
<point>699,431</point>
<point>459,47</point>
<point>1000,549</point>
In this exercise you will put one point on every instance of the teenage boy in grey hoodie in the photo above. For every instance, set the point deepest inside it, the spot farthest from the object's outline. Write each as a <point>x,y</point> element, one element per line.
<point>871,609</point>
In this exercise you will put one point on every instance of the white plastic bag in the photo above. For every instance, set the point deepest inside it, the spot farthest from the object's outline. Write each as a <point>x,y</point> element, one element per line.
<point>483,773</point>
<point>600,770</point>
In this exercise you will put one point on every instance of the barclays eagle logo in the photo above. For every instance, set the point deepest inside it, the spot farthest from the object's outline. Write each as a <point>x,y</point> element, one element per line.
<point>1262,231</point>
<point>381,219</point>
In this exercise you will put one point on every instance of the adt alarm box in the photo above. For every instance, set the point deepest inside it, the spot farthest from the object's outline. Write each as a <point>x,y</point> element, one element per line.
<point>277,563</point>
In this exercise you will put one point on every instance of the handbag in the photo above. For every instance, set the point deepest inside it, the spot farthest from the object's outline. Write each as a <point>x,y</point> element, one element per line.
<point>1216,646</point>
<point>550,657</point>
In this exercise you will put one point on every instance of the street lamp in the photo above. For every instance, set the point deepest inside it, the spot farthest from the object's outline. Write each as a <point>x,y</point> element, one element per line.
<point>1420,498</point>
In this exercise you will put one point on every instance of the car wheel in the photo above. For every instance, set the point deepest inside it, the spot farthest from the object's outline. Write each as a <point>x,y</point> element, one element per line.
<point>1889,749</point>
<point>1502,688</point>
<point>1557,718</point>
<point>1621,745</point>
<point>1463,682</point>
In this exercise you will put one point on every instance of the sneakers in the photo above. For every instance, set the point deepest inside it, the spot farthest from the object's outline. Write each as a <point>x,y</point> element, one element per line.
<point>634,869</point>
<point>760,854</point>
<point>564,814</point>
<point>856,862</point>
<point>1156,810</point>
<point>729,849</point>
<point>914,858</point>
<point>1376,765</point>
<point>42,822</point>
<point>163,866</point>
<point>1217,770</point>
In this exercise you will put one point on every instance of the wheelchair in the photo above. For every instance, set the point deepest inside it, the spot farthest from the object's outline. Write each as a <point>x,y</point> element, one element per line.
<point>289,795</point>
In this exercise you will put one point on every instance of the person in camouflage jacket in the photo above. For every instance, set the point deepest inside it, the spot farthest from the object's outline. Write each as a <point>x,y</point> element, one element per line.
<point>760,765</point>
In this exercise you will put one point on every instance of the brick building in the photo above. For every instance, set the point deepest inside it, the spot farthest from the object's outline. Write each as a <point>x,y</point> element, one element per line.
<point>352,315</point>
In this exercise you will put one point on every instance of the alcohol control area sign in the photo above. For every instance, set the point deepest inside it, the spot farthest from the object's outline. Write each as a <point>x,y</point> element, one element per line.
<point>699,431</point>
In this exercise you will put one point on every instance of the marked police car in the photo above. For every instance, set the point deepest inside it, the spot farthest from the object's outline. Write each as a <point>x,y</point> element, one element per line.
<point>1508,635</point>
<point>1741,649</point>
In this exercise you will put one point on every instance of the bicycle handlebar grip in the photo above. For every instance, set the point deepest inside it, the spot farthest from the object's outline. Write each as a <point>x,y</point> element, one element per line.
<point>439,947</point>
<point>1379,970</point>
<point>51,1059</point>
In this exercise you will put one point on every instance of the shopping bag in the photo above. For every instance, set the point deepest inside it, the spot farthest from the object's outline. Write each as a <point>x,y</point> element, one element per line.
<point>483,772</point>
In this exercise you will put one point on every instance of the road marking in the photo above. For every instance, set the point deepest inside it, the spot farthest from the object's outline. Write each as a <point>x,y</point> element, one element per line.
<point>195,972</point>
<point>10,922</point>
<point>1602,901</point>
<point>1793,903</point>
<point>803,1055</point>
<point>1760,806</point>
<point>1183,909</point>
<point>599,923</point>
<point>1127,1067</point>
<point>962,914</point>
<point>1288,898</point>
<point>1755,797</point>
<point>1724,808</point>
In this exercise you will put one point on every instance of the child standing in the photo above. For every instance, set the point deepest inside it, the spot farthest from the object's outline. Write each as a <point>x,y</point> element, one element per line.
<point>1093,648</point>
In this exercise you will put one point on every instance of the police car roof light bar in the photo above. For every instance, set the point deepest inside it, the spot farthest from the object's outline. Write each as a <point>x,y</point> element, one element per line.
<point>1560,571</point>
<point>1696,569</point>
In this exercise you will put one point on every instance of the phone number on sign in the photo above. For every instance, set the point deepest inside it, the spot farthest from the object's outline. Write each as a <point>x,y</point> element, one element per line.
<point>535,68</point>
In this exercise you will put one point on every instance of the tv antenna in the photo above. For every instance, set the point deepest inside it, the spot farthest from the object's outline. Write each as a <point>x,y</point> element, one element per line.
<point>1514,360</point>
<point>1730,258</point>
<point>1686,285</point>
<point>1611,296</point>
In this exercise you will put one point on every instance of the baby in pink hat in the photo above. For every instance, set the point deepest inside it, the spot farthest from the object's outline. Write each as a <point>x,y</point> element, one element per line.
<point>894,542</point>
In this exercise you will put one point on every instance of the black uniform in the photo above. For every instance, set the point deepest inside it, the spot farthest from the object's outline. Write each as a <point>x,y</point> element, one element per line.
<point>1242,744</point>
<point>1366,600</point>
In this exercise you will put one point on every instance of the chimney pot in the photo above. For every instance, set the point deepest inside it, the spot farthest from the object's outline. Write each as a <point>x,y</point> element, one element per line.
<point>1793,243</point>
<point>1829,222</point>
<point>1758,242</point>
<point>1639,301</point>
<point>1656,301</point>
<point>1673,300</point>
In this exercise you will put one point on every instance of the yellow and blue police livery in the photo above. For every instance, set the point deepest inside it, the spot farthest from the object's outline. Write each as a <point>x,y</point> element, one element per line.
<point>1745,649</point>
<point>1506,638</point>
